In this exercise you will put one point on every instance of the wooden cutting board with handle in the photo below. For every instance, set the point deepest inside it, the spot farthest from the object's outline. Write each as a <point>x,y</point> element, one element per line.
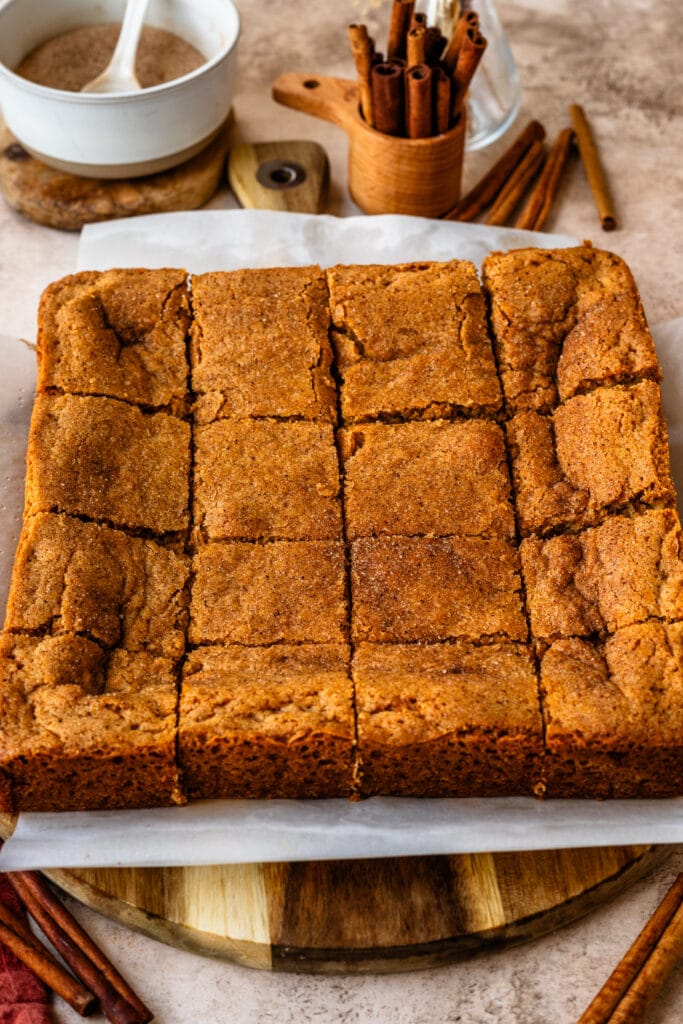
<point>365,916</point>
<point>289,175</point>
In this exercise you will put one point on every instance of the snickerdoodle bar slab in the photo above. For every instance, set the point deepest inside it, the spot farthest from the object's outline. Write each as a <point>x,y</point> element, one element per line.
<point>267,722</point>
<point>120,333</point>
<point>107,460</point>
<point>613,713</point>
<point>565,321</point>
<point>260,346</point>
<point>447,719</point>
<point>410,342</point>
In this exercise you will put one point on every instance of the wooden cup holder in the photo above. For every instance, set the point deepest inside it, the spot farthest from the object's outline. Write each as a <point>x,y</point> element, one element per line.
<point>387,174</point>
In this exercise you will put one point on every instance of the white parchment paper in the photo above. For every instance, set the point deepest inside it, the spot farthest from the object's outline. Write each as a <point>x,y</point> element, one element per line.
<point>242,831</point>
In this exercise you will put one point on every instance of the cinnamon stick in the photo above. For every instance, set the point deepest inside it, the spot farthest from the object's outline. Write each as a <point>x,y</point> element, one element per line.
<point>434,44</point>
<point>469,55</point>
<point>483,193</point>
<point>442,101</point>
<point>512,192</point>
<point>640,975</point>
<point>54,918</point>
<point>388,104</point>
<point>540,201</point>
<point>44,965</point>
<point>419,101</point>
<point>416,46</point>
<point>594,169</point>
<point>418,18</point>
<point>401,15</point>
<point>467,19</point>
<point>362,49</point>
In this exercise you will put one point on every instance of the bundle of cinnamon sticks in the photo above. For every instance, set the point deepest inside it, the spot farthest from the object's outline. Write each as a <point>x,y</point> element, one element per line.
<point>526,179</point>
<point>419,88</point>
<point>95,982</point>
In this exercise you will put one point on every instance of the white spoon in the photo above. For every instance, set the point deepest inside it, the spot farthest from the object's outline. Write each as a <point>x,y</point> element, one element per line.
<point>119,74</point>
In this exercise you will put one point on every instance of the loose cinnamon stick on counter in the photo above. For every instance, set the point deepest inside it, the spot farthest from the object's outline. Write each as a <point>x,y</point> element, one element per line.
<point>416,46</point>
<point>401,15</point>
<point>419,101</point>
<point>594,169</point>
<point>512,192</point>
<point>640,975</point>
<point>44,965</point>
<point>43,905</point>
<point>442,102</point>
<point>388,102</point>
<point>539,203</point>
<point>362,49</point>
<point>485,191</point>
<point>469,55</point>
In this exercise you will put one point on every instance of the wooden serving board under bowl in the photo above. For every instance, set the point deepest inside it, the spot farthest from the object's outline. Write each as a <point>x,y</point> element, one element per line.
<point>365,916</point>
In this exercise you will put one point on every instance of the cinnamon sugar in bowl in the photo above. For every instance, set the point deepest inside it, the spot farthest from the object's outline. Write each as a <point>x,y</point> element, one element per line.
<point>113,135</point>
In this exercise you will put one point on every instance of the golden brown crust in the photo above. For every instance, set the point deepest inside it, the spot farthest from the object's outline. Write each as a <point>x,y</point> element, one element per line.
<point>410,342</point>
<point>565,320</point>
<point>120,333</point>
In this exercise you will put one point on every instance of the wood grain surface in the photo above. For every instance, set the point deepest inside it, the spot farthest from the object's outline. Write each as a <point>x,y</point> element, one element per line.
<point>65,201</point>
<point>365,916</point>
<point>291,176</point>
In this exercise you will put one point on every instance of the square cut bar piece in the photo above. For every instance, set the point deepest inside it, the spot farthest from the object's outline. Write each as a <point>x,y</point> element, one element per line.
<point>433,477</point>
<point>119,333</point>
<point>260,346</point>
<point>291,591</point>
<point>264,479</point>
<point>596,453</point>
<point>267,722</point>
<point>107,460</point>
<point>614,713</point>
<point>565,320</point>
<point>85,728</point>
<point>76,577</point>
<point>447,720</point>
<point>624,571</point>
<point>428,589</point>
<point>411,342</point>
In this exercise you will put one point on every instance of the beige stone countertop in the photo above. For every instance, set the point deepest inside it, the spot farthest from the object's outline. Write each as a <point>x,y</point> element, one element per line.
<point>621,61</point>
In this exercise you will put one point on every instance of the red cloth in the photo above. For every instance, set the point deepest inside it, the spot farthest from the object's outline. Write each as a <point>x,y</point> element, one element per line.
<point>24,999</point>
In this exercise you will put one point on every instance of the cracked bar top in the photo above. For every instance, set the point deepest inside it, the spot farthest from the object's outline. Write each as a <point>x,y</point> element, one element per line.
<point>434,478</point>
<point>565,320</point>
<point>447,720</point>
<point>429,589</point>
<point>264,479</point>
<point>120,333</point>
<point>598,452</point>
<point>291,591</point>
<point>260,344</point>
<point>104,459</point>
<point>267,722</point>
<point>411,342</point>
<point>76,577</point>
<point>625,571</point>
<point>86,728</point>
<point>614,713</point>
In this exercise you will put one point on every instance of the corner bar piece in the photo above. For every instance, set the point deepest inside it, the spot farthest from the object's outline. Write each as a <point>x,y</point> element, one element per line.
<point>411,342</point>
<point>106,460</point>
<point>565,321</point>
<point>83,728</point>
<point>259,345</point>
<point>267,722</point>
<point>614,714</point>
<point>597,453</point>
<point>120,333</point>
<point>428,589</point>
<point>624,571</point>
<point>435,477</point>
<point>447,720</point>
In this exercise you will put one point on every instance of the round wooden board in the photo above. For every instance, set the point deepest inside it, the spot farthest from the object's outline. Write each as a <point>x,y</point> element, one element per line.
<point>369,916</point>
<point>66,201</point>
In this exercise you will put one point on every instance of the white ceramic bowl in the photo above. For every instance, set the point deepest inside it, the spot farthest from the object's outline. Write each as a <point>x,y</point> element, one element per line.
<point>119,134</point>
